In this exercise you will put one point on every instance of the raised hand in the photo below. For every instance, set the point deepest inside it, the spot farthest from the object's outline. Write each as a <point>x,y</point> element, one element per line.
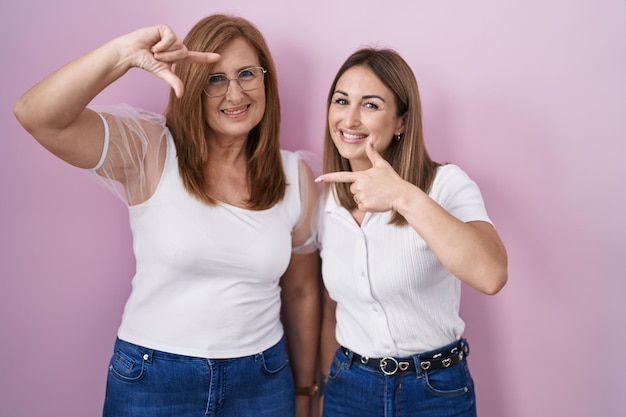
<point>375,189</point>
<point>157,48</point>
<point>54,111</point>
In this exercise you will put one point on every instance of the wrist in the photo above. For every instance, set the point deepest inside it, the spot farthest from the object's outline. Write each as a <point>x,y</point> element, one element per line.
<point>407,197</point>
<point>322,385</point>
<point>310,391</point>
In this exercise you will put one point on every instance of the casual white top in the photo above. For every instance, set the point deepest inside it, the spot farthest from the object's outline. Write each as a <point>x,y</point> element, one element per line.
<point>207,278</point>
<point>394,297</point>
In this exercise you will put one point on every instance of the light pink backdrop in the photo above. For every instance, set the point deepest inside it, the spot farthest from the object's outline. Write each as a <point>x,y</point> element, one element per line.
<point>529,96</point>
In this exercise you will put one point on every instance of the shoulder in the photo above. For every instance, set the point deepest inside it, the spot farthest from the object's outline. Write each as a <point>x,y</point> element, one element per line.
<point>450,176</point>
<point>125,116</point>
<point>452,182</point>
<point>450,171</point>
<point>455,191</point>
<point>124,110</point>
<point>288,157</point>
<point>290,164</point>
<point>305,163</point>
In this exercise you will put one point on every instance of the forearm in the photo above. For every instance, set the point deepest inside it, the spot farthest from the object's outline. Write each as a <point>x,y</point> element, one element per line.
<point>301,321</point>
<point>328,340</point>
<point>301,315</point>
<point>301,312</point>
<point>472,251</point>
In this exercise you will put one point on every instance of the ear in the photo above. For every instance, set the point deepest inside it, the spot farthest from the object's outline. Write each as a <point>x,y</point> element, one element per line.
<point>401,125</point>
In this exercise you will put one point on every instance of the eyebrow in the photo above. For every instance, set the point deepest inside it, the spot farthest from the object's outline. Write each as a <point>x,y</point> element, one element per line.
<point>238,70</point>
<point>365,97</point>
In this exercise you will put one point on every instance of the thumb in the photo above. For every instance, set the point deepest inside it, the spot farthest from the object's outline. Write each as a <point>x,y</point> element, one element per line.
<point>169,77</point>
<point>372,153</point>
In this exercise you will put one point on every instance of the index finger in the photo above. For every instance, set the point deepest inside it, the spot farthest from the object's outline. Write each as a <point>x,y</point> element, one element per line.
<point>342,176</point>
<point>202,57</point>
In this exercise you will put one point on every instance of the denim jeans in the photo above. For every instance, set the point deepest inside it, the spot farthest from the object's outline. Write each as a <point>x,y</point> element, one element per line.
<point>354,390</point>
<point>145,382</point>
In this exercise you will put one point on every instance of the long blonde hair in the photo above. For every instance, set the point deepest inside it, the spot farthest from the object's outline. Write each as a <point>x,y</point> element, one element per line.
<point>186,120</point>
<point>408,155</point>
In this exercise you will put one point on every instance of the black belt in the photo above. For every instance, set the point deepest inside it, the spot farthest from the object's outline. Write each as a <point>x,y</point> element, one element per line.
<point>389,365</point>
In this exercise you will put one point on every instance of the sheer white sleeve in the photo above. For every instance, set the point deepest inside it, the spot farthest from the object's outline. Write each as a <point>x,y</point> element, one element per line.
<point>133,155</point>
<point>304,234</point>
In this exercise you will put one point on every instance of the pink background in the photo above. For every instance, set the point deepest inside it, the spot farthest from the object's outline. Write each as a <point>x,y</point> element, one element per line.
<point>528,96</point>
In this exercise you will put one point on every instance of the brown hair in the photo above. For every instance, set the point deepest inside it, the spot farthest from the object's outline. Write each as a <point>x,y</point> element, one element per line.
<point>408,156</point>
<point>186,119</point>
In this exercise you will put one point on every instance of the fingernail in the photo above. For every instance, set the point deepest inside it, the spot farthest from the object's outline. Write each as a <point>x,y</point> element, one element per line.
<point>319,179</point>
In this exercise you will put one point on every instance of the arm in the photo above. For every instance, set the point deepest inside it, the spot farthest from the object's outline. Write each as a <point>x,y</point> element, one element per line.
<point>328,341</point>
<point>473,251</point>
<point>301,318</point>
<point>54,110</point>
<point>301,293</point>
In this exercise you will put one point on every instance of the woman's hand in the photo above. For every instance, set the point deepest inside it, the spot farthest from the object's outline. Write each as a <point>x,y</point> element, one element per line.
<point>472,251</point>
<point>155,49</point>
<point>375,189</point>
<point>54,111</point>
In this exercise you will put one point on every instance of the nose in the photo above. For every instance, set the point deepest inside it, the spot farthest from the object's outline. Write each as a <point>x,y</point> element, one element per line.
<point>353,116</point>
<point>234,91</point>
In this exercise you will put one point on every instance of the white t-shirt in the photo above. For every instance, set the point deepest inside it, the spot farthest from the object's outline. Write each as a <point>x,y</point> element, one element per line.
<point>394,297</point>
<point>207,278</point>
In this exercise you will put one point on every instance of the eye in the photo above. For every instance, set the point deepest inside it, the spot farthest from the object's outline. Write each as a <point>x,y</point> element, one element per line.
<point>370,105</point>
<point>341,101</point>
<point>246,74</point>
<point>217,79</point>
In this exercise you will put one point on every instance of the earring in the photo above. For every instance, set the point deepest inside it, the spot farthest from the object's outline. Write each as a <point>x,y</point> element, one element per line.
<point>398,137</point>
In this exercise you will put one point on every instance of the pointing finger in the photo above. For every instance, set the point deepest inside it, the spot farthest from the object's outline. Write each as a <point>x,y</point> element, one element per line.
<point>187,56</point>
<point>343,176</point>
<point>202,57</point>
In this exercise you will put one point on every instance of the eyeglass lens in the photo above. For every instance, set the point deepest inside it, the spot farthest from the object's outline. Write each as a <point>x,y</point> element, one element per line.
<point>248,79</point>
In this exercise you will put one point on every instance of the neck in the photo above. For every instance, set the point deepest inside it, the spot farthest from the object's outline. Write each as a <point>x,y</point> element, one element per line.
<point>227,150</point>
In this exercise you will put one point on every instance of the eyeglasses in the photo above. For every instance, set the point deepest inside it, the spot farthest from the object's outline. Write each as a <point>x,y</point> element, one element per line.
<point>248,79</point>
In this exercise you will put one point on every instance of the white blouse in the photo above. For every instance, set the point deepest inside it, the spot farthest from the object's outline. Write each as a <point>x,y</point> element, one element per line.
<point>394,297</point>
<point>207,278</point>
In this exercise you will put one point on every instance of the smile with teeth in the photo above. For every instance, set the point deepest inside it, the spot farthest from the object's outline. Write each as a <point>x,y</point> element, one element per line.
<point>235,112</point>
<point>353,137</point>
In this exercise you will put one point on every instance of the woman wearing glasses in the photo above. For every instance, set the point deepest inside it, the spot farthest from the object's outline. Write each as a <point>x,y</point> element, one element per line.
<point>220,215</point>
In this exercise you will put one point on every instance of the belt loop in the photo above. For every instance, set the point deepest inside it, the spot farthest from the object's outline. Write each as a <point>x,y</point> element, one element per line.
<point>466,349</point>
<point>349,357</point>
<point>418,369</point>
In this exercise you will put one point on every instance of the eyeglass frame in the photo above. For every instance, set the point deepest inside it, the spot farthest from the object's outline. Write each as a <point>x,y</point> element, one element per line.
<point>228,80</point>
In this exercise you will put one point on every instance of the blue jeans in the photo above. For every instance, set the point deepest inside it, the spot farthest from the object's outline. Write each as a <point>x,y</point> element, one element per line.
<point>145,382</point>
<point>354,390</point>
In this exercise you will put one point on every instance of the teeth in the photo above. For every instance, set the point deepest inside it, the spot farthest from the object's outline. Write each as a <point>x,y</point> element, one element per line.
<point>234,112</point>
<point>349,136</point>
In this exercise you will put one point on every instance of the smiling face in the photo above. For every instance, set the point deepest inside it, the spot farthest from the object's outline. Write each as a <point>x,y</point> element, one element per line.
<point>234,115</point>
<point>362,108</point>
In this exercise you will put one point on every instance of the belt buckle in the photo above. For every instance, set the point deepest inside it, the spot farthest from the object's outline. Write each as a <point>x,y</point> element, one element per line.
<point>385,361</point>
<point>402,366</point>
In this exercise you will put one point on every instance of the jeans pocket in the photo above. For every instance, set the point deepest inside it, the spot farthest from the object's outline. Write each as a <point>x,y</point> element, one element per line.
<point>128,363</point>
<point>452,381</point>
<point>336,367</point>
<point>274,359</point>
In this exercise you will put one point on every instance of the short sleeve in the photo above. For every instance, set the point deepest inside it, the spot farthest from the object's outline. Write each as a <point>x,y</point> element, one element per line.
<point>456,192</point>
<point>304,233</point>
<point>134,151</point>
